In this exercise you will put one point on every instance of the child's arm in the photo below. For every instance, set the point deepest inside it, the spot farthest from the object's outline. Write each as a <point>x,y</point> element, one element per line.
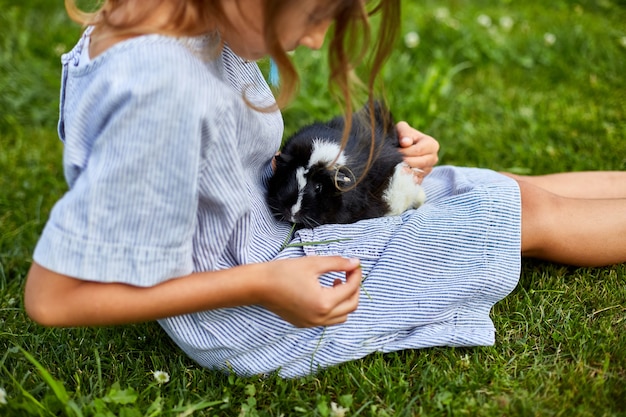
<point>289,288</point>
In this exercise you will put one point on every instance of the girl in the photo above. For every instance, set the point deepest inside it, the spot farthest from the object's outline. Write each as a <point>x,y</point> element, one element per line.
<point>169,133</point>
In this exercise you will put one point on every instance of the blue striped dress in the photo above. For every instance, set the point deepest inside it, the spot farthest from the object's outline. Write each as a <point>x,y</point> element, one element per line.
<point>167,169</point>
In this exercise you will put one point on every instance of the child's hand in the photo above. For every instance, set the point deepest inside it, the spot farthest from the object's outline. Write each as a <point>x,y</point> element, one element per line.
<point>293,290</point>
<point>420,150</point>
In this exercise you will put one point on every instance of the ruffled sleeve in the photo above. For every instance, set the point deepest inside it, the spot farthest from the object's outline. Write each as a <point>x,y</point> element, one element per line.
<point>136,132</point>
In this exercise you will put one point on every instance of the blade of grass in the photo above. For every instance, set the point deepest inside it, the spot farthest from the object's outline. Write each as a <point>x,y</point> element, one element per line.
<point>57,387</point>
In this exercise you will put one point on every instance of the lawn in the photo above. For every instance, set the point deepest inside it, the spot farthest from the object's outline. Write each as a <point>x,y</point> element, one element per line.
<point>530,87</point>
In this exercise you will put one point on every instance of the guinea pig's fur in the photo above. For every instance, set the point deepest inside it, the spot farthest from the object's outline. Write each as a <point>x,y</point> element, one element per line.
<point>307,190</point>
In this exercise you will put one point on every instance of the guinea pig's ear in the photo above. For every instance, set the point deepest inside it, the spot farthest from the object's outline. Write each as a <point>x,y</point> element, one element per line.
<point>282,158</point>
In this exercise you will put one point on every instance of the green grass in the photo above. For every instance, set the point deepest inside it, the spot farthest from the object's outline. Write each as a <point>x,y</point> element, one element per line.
<point>494,96</point>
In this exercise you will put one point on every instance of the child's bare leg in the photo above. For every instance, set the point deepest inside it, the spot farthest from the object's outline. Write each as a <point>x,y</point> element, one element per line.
<point>586,184</point>
<point>574,231</point>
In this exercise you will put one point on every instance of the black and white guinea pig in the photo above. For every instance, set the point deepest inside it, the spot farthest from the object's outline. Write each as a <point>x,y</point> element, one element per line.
<point>305,189</point>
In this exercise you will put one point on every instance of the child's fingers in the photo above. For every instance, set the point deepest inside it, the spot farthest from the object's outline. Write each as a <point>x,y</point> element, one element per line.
<point>345,304</point>
<point>424,163</point>
<point>343,296</point>
<point>420,150</point>
<point>405,131</point>
<point>335,263</point>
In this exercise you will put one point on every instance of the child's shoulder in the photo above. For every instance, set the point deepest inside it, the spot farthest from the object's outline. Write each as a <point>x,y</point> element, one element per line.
<point>155,66</point>
<point>154,54</point>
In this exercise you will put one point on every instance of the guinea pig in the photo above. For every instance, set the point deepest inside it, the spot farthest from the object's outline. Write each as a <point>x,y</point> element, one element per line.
<point>315,182</point>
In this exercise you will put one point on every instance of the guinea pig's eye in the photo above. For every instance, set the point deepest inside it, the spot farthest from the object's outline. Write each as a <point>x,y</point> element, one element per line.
<point>318,188</point>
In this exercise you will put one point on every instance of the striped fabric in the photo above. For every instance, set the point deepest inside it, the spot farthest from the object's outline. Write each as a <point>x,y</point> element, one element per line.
<point>167,168</point>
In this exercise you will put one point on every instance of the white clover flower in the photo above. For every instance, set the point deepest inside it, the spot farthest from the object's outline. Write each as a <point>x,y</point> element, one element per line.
<point>412,40</point>
<point>506,23</point>
<point>337,410</point>
<point>484,20</point>
<point>622,41</point>
<point>526,112</point>
<point>442,13</point>
<point>464,362</point>
<point>549,38</point>
<point>161,377</point>
<point>3,396</point>
<point>60,49</point>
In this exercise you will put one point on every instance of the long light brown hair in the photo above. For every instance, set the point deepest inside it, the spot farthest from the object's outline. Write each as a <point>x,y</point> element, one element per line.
<point>351,44</point>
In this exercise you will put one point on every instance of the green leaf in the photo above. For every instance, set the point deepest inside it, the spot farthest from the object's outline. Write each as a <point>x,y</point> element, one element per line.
<point>118,396</point>
<point>346,400</point>
<point>156,407</point>
<point>322,408</point>
<point>250,390</point>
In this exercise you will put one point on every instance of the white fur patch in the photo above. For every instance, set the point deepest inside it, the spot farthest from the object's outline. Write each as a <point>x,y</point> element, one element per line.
<point>325,152</point>
<point>403,192</point>
<point>301,179</point>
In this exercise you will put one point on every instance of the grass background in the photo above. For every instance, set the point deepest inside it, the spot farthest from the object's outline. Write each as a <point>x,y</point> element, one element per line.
<point>531,87</point>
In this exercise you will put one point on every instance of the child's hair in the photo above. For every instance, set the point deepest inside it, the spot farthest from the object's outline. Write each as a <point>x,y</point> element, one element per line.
<point>349,44</point>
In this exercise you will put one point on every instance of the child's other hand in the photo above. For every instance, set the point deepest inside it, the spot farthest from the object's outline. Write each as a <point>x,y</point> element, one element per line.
<point>293,290</point>
<point>420,150</point>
